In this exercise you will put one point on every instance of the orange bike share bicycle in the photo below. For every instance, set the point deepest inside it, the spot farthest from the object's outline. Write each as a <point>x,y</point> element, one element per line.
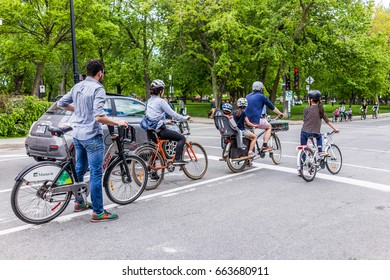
<point>159,156</point>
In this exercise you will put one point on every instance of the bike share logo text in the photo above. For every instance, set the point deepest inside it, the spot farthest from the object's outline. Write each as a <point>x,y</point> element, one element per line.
<point>42,174</point>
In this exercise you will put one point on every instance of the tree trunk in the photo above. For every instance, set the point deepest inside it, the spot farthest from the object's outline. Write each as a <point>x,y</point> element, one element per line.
<point>18,83</point>
<point>38,77</point>
<point>214,86</point>
<point>272,96</point>
<point>118,89</point>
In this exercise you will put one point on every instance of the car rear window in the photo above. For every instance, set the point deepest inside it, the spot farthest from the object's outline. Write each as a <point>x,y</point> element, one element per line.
<point>55,110</point>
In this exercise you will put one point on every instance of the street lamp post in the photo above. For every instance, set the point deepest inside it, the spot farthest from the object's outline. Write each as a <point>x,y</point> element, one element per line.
<point>72,30</point>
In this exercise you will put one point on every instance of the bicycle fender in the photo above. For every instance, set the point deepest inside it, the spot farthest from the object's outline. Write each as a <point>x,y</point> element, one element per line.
<point>44,171</point>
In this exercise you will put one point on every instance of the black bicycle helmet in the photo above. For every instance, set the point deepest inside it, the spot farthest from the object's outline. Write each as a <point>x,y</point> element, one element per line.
<point>314,95</point>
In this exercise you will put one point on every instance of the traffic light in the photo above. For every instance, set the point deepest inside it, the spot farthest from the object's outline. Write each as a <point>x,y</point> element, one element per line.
<point>288,84</point>
<point>296,78</point>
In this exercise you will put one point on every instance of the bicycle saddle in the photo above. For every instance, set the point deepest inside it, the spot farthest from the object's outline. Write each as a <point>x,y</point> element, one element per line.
<point>59,131</point>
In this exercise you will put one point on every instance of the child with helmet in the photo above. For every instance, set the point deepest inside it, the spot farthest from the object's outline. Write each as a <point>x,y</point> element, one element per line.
<point>312,119</point>
<point>243,122</point>
<point>227,110</point>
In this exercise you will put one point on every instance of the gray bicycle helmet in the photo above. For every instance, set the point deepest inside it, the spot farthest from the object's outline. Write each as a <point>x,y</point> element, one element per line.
<point>314,95</point>
<point>257,86</point>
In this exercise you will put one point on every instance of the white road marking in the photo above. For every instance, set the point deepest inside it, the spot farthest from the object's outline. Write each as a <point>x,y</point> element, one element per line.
<point>191,187</point>
<point>68,217</point>
<point>13,155</point>
<point>335,178</point>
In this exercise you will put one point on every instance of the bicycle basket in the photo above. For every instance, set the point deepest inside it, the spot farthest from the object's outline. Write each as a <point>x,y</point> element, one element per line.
<point>279,126</point>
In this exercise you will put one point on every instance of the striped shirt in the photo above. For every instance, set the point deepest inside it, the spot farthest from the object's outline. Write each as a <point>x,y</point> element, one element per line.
<point>88,98</point>
<point>312,120</point>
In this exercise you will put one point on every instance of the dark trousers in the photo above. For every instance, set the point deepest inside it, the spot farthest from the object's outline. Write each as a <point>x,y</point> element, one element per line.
<point>305,136</point>
<point>168,134</point>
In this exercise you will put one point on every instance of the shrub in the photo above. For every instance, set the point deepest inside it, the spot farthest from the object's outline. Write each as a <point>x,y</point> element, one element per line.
<point>17,113</point>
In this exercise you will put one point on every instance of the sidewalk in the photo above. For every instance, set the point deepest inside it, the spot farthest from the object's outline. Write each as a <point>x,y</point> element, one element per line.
<point>9,143</point>
<point>291,122</point>
<point>211,121</point>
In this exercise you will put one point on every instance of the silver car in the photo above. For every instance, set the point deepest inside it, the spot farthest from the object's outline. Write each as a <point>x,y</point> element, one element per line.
<point>41,145</point>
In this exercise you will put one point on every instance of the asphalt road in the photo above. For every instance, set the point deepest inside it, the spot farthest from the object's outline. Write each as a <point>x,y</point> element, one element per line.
<point>267,212</point>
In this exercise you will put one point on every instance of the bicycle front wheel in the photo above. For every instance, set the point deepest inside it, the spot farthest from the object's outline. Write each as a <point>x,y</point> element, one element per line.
<point>155,165</point>
<point>276,153</point>
<point>122,188</point>
<point>197,159</point>
<point>33,200</point>
<point>335,159</point>
<point>307,165</point>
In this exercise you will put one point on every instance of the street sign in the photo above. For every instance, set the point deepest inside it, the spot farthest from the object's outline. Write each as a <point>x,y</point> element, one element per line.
<point>310,80</point>
<point>42,89</point>
<point>289,95</point>
<point>307,87</point>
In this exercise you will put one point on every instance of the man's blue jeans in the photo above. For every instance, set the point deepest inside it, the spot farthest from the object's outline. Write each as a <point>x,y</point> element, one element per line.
<point>90,153</point>
<point>306,135</point>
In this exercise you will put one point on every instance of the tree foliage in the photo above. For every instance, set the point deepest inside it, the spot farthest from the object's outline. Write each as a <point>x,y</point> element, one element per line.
<point>209,47</point>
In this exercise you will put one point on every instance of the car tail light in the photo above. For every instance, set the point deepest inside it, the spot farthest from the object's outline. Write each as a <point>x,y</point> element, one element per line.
<point>53,147</point>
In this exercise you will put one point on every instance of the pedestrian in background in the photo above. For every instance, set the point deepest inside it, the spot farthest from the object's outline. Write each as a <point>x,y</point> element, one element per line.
<point>181,107</point>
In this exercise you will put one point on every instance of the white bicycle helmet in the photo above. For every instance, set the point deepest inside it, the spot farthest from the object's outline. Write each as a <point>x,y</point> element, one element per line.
<point>157,84</point>
<point>257,86</point>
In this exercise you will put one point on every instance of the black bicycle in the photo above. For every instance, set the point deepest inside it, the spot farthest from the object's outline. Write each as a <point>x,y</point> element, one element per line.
<point>43,190</point>
<point>236,158</point>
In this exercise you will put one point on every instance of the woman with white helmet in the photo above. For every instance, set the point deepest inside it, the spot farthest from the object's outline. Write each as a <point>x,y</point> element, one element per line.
<point>156,110</point>
<point>242,121</point>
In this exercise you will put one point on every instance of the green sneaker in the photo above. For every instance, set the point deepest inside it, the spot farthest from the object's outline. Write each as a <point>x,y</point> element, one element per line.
<point>103,217</point>
<point>78,207</point>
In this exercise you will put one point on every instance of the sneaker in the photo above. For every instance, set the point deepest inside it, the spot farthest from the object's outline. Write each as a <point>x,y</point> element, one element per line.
<point>179,162</point>
<point>251,154</point>
<point>103,217</point>
<point>78,207</point>
<point>154,177</point>
<point>266,149</point>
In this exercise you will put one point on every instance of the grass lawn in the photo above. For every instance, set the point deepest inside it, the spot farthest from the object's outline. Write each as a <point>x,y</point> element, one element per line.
<point>200,109</point>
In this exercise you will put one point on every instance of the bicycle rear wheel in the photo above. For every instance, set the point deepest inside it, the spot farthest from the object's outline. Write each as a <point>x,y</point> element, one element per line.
<point>307,164</point>
<point>154,164</point>
<point>196,155</point>
<point>118,187</point>
<point>276,153</point>
<point>335,159</point>
<point>32,197</point>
